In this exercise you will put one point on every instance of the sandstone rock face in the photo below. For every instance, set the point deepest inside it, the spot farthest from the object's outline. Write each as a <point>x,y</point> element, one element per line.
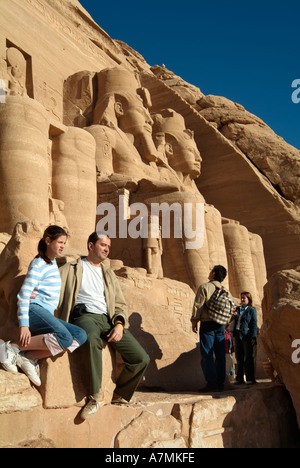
<point>160,317</point>
<point>65,385</point>
<point>17,393</point>
<point>281,329</point>
<point>278,160</point>
<point>93,137</point>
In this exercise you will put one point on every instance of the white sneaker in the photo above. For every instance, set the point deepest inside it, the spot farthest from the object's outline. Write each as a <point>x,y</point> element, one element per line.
<point>30,367</point>
<point>2,351</point>
<point>94,404</point>
<point>8,357</point>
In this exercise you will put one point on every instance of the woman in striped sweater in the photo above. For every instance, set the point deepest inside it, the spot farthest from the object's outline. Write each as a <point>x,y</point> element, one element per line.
<point>41,333</point>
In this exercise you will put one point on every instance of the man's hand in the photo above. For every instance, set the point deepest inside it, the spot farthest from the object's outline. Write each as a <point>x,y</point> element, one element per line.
<point>195,327</point>
<point>116,334</point>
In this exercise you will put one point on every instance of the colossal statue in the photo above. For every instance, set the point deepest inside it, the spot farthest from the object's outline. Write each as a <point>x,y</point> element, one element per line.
<point>74,182</point>
<point>125,144</point>
<point>24,127</point>
<point>122,125</point>
<point>120,147</point>
<point>158,154</point>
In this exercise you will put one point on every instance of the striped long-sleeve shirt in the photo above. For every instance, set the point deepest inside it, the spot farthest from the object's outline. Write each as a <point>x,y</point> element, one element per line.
<point>44,280</point>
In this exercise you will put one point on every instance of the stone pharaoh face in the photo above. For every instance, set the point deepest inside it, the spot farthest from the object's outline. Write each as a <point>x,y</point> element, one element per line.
<point>133,117</point>
<point>183,154</point>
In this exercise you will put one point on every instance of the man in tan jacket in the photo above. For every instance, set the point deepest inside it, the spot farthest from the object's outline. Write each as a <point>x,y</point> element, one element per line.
<point>212,334</point>
<point>91,298</point>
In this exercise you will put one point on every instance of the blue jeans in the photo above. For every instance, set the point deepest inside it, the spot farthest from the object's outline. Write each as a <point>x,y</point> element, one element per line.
<point>42,322</point>
<point>212,347</point>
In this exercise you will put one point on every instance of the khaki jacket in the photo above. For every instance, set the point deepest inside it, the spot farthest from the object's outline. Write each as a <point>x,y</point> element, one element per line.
<point>205,291</point>
<point>71,276</point>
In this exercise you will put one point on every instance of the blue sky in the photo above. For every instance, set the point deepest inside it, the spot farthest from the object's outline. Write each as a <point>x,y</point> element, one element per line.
<point>245,51</point>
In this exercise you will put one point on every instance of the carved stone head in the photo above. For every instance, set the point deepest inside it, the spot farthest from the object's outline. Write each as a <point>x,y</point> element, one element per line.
<point>122,103</point>
<point>180,146</point>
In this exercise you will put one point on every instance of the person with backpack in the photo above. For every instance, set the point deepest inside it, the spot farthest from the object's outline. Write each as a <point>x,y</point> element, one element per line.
<point>213,307</point>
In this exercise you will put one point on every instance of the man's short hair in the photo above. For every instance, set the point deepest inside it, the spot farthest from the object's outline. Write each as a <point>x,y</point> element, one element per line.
<point>220,273</point>
<point>95,236</point>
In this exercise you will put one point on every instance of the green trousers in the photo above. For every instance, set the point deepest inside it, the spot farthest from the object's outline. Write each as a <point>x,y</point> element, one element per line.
<point>134,356</point>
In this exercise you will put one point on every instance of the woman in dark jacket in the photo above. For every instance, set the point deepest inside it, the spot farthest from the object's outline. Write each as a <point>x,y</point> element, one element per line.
<point>245,332</point>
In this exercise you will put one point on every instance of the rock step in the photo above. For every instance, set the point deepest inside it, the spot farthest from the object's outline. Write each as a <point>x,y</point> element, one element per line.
<point>260,416</point>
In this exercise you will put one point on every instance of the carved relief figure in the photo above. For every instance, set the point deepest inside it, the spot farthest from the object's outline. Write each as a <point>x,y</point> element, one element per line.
<point>16,69</point>
<point>153,250</point>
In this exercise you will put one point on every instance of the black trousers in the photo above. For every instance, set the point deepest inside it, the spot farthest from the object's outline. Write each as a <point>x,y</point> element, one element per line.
<point>244,353</point>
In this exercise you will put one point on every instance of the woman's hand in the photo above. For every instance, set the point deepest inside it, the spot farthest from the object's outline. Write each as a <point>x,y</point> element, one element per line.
<point>25,336</point>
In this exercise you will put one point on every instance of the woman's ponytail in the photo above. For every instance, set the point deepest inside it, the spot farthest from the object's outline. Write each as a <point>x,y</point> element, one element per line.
<point>42,248</point>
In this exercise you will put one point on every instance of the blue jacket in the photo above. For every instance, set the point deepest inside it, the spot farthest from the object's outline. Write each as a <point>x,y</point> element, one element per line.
<point>248,326</point>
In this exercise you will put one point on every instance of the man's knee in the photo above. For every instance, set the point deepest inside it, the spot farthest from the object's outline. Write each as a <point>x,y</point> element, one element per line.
<point>80,336</point>
<point>94,341</point>
<point>147,359</point>
<point>144,359</point>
